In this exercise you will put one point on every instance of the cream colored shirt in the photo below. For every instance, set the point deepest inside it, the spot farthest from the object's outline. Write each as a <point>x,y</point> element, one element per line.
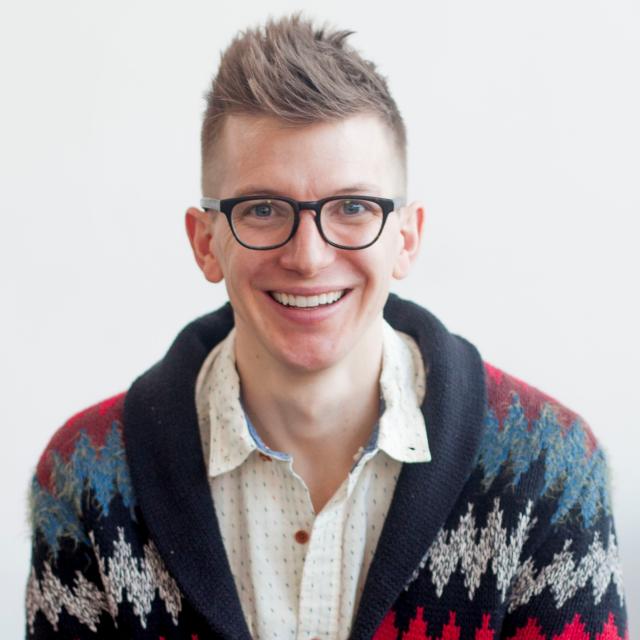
<point>299,574</point>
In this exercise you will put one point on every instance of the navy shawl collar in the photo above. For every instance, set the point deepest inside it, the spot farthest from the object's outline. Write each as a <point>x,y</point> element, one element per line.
<point>172,489</point>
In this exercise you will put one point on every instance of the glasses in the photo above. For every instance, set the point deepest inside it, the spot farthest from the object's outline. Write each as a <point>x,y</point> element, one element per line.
<point>346,222</point>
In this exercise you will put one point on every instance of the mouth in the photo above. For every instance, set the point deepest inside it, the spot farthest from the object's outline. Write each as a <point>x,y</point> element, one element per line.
<point>308,302</point>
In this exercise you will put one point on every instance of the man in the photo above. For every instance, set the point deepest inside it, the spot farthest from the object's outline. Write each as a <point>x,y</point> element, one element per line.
<point>318,459</point>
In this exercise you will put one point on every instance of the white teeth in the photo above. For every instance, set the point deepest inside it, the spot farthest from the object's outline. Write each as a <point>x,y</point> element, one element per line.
<point>290,300</point>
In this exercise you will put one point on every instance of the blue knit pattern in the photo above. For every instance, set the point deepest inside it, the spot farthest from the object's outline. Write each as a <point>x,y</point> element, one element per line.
<point>573,474</point>
<point>100,469</point>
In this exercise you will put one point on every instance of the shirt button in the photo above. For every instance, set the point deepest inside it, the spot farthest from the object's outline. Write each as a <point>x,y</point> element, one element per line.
<point>302,537</point>
<point>264,456</point>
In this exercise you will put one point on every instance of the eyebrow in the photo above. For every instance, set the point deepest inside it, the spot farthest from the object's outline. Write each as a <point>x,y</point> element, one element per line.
<point>360,188</point>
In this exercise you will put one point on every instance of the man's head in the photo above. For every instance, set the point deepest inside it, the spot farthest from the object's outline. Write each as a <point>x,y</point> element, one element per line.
<point>299,75</point>
<point>250,151</point>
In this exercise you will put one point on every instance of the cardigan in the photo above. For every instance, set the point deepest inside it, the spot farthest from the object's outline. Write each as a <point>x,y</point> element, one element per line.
<point>506,533</point>
<point>298,573</point>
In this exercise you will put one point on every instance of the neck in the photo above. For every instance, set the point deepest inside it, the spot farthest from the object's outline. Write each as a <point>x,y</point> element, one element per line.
<point>319,417</point>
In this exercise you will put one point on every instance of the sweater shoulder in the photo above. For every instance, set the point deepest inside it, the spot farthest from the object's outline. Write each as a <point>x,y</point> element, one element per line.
<point>91,426</point>
<point>505,392</point>
<point>532,442</point>
<point>80,475</point>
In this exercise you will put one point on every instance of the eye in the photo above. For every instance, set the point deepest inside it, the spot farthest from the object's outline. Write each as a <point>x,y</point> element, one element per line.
<point>351,207</point>
<point>262,210</point>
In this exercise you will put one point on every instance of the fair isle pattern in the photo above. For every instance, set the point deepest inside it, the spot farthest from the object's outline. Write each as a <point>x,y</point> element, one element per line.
<point>138,579</point>
<point>564,576</point>
<point>84,601</point>
<point>96,466</point>
<point>570,467</point>
<point>420,629</point>
<point>543,539</point>
<point>496,550</point>
<point>499,552</point>
<point>100,468</point>
<point>123,575</point>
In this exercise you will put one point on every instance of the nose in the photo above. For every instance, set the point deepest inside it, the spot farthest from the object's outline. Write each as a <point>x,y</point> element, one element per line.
<point>307,252</point>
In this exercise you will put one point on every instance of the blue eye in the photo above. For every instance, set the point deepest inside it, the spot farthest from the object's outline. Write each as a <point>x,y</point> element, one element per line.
<point>262,210</point>
<point>352,206</point>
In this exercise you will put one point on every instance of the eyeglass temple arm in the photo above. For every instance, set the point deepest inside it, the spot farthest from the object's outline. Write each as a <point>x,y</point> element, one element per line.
<point>210,203</point>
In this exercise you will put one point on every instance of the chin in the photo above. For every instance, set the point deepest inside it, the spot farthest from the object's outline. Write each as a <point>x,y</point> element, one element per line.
<point>308,358</point>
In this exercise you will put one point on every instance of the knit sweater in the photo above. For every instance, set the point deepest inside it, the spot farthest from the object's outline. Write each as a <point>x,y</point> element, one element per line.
<point>506,533</point>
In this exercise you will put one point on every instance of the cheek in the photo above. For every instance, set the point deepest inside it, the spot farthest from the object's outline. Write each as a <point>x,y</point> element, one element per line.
<point>242,270</point>
<point>378,268</point>
<point>390,250</point>
<point>222,249</point>
<point>395,257</point>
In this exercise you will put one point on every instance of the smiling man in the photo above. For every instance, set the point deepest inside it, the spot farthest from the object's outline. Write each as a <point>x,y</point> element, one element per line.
<point>308,315</point>
<point>319,459</point>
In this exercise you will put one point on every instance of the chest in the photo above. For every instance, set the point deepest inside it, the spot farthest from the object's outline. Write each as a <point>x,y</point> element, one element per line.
<point>295,569</point>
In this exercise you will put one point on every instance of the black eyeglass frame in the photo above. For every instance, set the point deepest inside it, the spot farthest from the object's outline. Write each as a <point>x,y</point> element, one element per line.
<point>226,205</point>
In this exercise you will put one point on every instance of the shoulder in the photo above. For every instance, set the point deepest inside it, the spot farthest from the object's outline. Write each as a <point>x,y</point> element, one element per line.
<point>91,427</point>
<point>84,457</point>
<point>506,392</point>
<point>532,440</point>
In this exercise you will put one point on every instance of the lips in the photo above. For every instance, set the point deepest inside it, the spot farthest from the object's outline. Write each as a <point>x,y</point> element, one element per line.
<point>305,302</point>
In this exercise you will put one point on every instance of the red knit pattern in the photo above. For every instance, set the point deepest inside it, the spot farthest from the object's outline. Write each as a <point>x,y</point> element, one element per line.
<point>532,631</point>
<point>500,388</point>
<point>418,630</point>
<point>485,633</point>
<point>95,421</point>
<point>610,631</point>
<point>573,631</point>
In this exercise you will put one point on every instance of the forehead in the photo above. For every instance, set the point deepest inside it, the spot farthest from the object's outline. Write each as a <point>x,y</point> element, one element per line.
<point>256,153</point>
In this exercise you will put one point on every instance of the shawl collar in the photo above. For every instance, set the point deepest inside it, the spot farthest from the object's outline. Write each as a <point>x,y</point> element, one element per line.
<point>172,489</point>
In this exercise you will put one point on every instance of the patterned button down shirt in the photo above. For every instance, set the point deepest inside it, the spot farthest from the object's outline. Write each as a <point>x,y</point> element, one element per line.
<point>300,574</point>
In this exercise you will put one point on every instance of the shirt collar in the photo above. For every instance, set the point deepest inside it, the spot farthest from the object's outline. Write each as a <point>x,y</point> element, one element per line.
<point>223,425</point>
<point>229,436</point>
<point>402,431</point>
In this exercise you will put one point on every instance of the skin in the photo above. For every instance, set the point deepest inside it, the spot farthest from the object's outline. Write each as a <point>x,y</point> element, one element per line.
<point>309,378</point>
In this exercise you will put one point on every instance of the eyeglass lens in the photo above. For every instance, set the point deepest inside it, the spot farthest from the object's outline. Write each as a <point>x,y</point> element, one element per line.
<point>267,222</point>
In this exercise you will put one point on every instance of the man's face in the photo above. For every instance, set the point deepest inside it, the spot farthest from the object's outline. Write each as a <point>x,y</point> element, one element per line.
<point>260,155</point>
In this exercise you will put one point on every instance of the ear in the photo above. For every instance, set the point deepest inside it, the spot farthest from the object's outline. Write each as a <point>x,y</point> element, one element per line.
<point>411,222</point>
<point>200,232</point>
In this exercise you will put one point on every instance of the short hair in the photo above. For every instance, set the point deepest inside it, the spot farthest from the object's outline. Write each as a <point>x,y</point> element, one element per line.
<point>291,70</point>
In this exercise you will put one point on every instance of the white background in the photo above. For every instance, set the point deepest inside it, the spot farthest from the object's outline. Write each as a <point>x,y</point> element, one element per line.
<point>524,144</point>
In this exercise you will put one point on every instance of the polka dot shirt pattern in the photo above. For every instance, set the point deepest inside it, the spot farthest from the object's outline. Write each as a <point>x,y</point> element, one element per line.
<point>300,575</point>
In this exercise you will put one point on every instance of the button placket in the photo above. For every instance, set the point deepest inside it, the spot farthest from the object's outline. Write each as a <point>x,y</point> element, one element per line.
<point>320,586</point>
